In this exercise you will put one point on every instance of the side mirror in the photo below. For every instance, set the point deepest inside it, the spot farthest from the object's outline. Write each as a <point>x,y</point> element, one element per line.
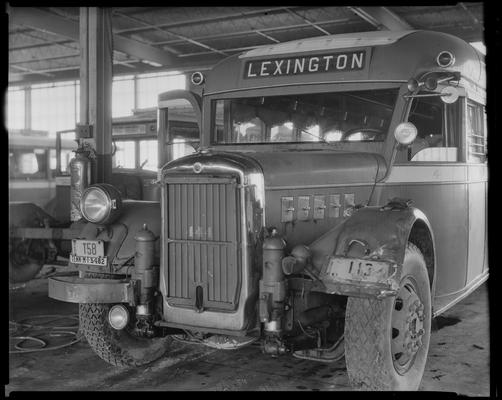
<point>405,133</point>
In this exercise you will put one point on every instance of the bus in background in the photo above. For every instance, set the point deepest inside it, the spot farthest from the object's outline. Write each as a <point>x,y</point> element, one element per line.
<point>135,152</point>
<point>39,208</point>
<point>33,165</point>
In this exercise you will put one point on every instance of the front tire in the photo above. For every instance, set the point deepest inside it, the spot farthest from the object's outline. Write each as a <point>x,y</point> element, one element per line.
<point>387,341</point>
<point>117,347</point>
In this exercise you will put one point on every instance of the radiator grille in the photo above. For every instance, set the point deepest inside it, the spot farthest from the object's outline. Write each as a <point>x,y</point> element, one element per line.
<point>203,238</point>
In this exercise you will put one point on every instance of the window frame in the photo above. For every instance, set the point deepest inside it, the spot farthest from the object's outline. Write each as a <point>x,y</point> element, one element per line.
<point>480,110</point>
<point>215,100</point>
<point>136,153</point>
<point>461,145</point>
<point>42,174</point>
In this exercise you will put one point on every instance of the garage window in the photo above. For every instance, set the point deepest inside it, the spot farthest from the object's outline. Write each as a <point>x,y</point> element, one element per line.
<point>15,108</point>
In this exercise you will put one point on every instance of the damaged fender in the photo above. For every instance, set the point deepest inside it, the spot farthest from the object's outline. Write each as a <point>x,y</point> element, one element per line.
<point>363,256</point>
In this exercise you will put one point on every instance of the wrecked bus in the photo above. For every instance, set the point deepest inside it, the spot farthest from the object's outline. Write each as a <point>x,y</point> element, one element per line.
<point>335,205</point>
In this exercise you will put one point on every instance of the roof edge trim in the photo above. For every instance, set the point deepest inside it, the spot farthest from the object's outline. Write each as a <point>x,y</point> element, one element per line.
<point>331,42</point>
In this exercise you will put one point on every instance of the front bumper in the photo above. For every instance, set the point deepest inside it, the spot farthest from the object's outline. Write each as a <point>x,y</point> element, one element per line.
<point>86,290</point>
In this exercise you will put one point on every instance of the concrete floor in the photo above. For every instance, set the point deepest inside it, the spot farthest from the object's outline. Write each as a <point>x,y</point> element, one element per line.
<point>458,359</point>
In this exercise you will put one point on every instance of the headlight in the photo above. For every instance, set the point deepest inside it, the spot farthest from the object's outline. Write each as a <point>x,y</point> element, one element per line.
<point>101,203</point>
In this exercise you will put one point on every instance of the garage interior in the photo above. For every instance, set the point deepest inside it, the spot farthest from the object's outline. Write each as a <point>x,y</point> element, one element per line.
<point>85,66</point>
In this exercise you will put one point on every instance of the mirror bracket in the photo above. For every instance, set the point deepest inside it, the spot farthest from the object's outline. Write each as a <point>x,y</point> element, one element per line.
<point>449,95</point>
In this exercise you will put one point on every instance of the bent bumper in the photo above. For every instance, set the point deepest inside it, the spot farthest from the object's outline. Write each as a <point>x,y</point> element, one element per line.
<point>86,290</point>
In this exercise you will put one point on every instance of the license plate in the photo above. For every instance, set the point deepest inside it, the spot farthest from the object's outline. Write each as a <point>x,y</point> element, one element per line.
<point>91,252</point>
<point>344,269</point>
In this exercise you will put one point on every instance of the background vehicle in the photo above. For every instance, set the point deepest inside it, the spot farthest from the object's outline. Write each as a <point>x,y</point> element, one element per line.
<point>39,184</point>
<point>37,165</point>
<point>33,165</point>
<point>135,150</point>
<point>309,218</point>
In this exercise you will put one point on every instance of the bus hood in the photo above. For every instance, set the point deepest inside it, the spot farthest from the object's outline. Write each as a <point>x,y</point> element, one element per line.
<point>295,169</point>
<point>319,168</point>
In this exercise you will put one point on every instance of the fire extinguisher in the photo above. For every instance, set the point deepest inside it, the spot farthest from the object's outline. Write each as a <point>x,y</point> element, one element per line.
<point>80,178</point>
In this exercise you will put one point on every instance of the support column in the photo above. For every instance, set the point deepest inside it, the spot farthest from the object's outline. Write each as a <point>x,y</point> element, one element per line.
<point>27,107</point>
<point>96,57</point>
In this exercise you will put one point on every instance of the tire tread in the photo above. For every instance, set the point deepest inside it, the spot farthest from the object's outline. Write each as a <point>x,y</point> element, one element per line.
<point>365,321</point>
<point>104,340</point>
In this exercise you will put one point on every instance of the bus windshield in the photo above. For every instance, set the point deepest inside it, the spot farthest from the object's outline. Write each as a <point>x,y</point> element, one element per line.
<point>355,116</point>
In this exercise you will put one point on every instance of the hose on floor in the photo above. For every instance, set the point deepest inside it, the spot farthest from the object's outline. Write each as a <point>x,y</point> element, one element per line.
<point>26,330</point>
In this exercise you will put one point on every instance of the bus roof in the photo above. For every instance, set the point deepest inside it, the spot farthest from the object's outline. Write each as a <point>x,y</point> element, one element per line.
<point>45,142</point>
<point>330,42</point>
<point>385,56</point>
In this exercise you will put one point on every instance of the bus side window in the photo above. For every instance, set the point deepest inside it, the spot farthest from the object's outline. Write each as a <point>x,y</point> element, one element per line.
<point>125,154</point>
<point>476,133</point>
<point>148,154</point>
<point>28,164</point>
<point>439,127</point>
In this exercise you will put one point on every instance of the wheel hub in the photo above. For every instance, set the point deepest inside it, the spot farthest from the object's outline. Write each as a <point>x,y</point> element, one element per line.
<point>407,327</point>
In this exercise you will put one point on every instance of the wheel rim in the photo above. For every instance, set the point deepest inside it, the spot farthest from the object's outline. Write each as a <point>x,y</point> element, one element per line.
<point>407,327</point>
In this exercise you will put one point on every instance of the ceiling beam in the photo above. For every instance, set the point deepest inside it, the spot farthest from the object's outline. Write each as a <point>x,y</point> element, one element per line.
<point>260,32</point>
<point>267,36</point>
<point>164,31</point>
<point>227,17</point>
<point>72,72</point>
<point>32,71</point>
<point>37,45</point>
<point>381,18</point>
<point>66,44</point>
<point>44,58</point>
<point>295,14</point>
<point>50,71</point>
<point>231,35</point>
<point>45,21</point>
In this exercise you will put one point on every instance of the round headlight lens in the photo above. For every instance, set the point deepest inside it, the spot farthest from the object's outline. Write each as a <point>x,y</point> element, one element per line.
<point>118,317</point>
<point>100,203</point>
<point>405,133</point>
<point>96,205</point>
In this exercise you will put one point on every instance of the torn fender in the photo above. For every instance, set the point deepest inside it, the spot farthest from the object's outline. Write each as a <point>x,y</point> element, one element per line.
<point>383,232</point>
<point>376,236</point>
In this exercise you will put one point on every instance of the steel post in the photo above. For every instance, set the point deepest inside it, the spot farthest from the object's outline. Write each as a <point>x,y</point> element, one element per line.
<point>96,52</point>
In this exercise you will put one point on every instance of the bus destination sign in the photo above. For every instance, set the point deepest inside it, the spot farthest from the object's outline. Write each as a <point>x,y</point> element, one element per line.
<point>332,62</point>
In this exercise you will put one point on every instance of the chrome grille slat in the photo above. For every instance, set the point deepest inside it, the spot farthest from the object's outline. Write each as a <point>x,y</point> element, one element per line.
<point>203,228</point>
